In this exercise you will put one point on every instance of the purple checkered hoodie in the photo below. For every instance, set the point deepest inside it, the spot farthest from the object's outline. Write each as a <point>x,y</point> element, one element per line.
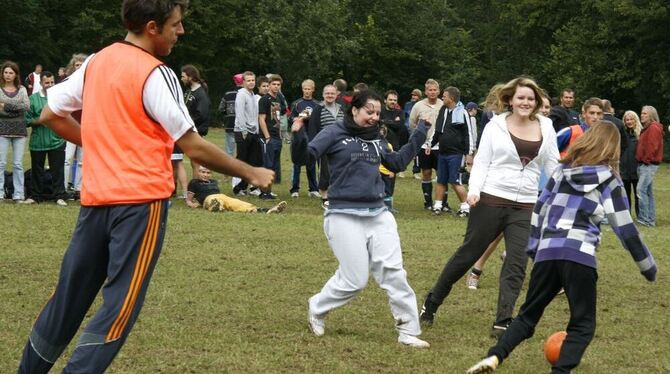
<point>565,224</point>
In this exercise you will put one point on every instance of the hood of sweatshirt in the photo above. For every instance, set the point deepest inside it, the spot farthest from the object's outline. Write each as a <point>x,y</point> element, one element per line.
<point>586,178</point>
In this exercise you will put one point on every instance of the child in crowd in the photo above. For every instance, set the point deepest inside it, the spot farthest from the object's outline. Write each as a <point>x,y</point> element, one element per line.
<point>565,234</point>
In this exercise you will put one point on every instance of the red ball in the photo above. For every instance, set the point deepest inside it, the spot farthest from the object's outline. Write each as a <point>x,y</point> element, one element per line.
<point>552,347</point>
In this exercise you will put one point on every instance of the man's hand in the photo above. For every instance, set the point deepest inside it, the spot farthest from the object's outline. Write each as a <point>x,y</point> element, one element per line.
<point>261,178</point>
<point>472,200</point>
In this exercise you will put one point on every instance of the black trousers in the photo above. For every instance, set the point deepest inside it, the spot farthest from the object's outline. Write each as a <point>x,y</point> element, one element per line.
<point>248,150</point>
<point>56,166</point>
<point>546,279</point>
<point>627,185</point>
<point>484,225</point>
<point>324,173</point>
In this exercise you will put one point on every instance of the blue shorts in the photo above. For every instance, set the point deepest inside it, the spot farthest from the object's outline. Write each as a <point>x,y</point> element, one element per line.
<point>449,168</point>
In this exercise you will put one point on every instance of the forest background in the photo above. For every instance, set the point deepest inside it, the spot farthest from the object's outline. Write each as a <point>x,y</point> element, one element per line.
<point>615,49</point>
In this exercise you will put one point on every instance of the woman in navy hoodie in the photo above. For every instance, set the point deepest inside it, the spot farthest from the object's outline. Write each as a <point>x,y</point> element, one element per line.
<point>360,230</point>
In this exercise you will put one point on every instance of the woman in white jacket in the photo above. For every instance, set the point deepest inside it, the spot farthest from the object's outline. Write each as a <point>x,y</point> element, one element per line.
<point>515,146</point>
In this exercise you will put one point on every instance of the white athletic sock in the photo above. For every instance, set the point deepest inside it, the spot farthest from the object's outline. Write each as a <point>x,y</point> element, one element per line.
<point>437,204</point>
<point>465,207</point>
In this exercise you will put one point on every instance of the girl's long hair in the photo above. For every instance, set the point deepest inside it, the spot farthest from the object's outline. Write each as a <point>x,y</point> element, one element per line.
<point>638,125</point>
<point>600,145</point>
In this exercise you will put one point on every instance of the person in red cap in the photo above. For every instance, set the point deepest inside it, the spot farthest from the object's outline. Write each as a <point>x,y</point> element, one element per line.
<point>227,108</point>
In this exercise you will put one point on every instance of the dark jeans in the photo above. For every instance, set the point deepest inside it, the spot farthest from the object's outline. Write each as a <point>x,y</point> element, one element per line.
<point>546,279</point>
<point>272,157</point>
<point>484,225</point>
<point>310,170</point>
<point>324,174</point>
<point>56,166</point>
<point>627,185</point>
<point>389,185</point>
<point>248,150</point>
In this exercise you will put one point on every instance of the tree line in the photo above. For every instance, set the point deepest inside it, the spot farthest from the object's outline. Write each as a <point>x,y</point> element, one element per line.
<point>608,48</point>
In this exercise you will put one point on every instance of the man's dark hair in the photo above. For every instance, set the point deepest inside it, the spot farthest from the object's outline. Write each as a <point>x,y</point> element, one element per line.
<point>454,93</point>
<point>263,79</point>
<point>360,86</point>
<point>46,74</point>
<point>137,13</point>
<point>390,92</point>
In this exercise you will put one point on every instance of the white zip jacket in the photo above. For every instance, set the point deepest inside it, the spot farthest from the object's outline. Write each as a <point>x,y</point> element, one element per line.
<point>497,169</point>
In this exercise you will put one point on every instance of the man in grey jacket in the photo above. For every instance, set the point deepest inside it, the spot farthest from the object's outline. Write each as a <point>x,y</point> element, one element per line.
<point>246,127</point>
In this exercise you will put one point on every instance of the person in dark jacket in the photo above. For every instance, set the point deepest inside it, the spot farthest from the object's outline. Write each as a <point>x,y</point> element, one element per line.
<point>394,120</point>
<point>628,164</point>
<point>360,229</point>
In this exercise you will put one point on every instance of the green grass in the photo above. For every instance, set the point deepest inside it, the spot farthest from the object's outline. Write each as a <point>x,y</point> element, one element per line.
<point>230,294</point>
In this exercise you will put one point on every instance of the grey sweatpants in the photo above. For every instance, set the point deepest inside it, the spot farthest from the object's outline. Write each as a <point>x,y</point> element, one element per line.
<point>361,245</point>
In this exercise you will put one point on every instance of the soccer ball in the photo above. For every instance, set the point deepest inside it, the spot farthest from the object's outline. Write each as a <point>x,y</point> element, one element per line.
<point>552,347</point>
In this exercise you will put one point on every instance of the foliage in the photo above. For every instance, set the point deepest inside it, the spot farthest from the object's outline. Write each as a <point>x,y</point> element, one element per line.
<point>607,48</point>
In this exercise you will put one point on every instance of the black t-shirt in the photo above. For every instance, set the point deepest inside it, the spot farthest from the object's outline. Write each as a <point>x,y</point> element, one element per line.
<point>197,103</point>
<point>202,189</point>
<point>270,106</point>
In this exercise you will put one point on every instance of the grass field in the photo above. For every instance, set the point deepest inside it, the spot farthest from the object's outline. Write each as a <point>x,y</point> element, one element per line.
<point>229,295</point>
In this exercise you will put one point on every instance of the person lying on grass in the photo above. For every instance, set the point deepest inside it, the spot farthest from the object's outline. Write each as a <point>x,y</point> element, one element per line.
<point>204,191</point>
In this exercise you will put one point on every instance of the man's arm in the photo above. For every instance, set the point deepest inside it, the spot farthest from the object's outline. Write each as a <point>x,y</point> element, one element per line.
<point>214,158</point>
<point>66,127</point>
<point>190,201</point>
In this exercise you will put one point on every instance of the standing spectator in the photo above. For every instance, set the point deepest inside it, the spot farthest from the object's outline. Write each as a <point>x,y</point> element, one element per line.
<point>269,111</point>
<point>33,80</point>
<point>45,143</point>
<point>227,108</point>
<point>74,155</point>
<point>360,230</point>
<point>263,87</point>
<point>343,97</point>
<point>472,108</point>
<point>197,102</point>
<point>303,108</point>
<point>628,165</point>
<point>122,221</point>
<point>562,115</point>
<point>394,120</point>
<point>415,96</point>
<point>61,74</point>
<point>324,115</point>
<point>246,128</point>
<point>14,102</point>
<point>428,108</point>
<point>456,146</point>
<point>515,145</point>
<point>649,154</point>
<point>592,112</point>
<point>608,115</point>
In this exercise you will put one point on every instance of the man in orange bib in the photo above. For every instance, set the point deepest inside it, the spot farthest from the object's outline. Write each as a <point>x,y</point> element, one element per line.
<point>133,112</point>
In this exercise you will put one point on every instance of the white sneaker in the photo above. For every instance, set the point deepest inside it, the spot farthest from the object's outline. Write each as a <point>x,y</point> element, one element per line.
<point>487,365</point>
<point>314,194</point>
<point>26,201</point>
<point>295,195</point>
<point>316,324</point>
<point>255,192</point>
<point>412,341</point>
<point>61,202</point>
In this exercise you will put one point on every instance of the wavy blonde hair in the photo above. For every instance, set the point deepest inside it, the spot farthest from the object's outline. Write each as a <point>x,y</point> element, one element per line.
<point>77,57</point>
<point>504,93</point>
<point>638,125</point>
<point>601,145</point>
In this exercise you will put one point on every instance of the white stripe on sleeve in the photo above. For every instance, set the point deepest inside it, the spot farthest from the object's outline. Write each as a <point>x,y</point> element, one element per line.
<point>164,102</point>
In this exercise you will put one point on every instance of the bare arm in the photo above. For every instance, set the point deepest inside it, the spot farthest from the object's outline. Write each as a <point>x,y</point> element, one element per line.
<point>66,127</point>
<point>263,126</point>
<point>190,200</point>
<point>213,157</point>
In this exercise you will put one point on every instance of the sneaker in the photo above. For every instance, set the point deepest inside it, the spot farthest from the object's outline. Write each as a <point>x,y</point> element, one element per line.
<point>412,341</point>
<point>26,201</point>
<point>487,365</point>
<point>437,211</point>
<point>277,208</point>
<point>266,196</point>
<point>472,281</point>
<point>241,193</point>
<point>61,202</point>
<point>314,194</point>
<point>316,325</point>
<point>446,209</point>
<point>295,195</point>
<point>255,192</point>
<point>462,213</point>
<point>498,330</point>
<point>428,206</point>
<point>272,194</point>
<point>428,309</point>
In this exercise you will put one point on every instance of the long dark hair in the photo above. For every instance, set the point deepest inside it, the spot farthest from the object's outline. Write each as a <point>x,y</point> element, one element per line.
<point>17,78</point>
<point>194,74</point>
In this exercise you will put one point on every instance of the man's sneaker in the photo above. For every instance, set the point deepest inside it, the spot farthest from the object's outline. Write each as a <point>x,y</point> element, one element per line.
<point>472,281</point>
<point>428,309</point>
<point>462,213</point>
<point>437,211</point>
<point>26,201</point>
<point>498,330</point>
<point>446,209</point>
<point>277,208</point>
<point>295,194</point>
<point>61,202</point>
<point>487,365</point>
<point>255,192</point>
<point>266,196</point>
<point>412,341</point>
<point>428,206</point>
<point>316,324</point>
<point>314,194</point>
<point>272,194</point>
